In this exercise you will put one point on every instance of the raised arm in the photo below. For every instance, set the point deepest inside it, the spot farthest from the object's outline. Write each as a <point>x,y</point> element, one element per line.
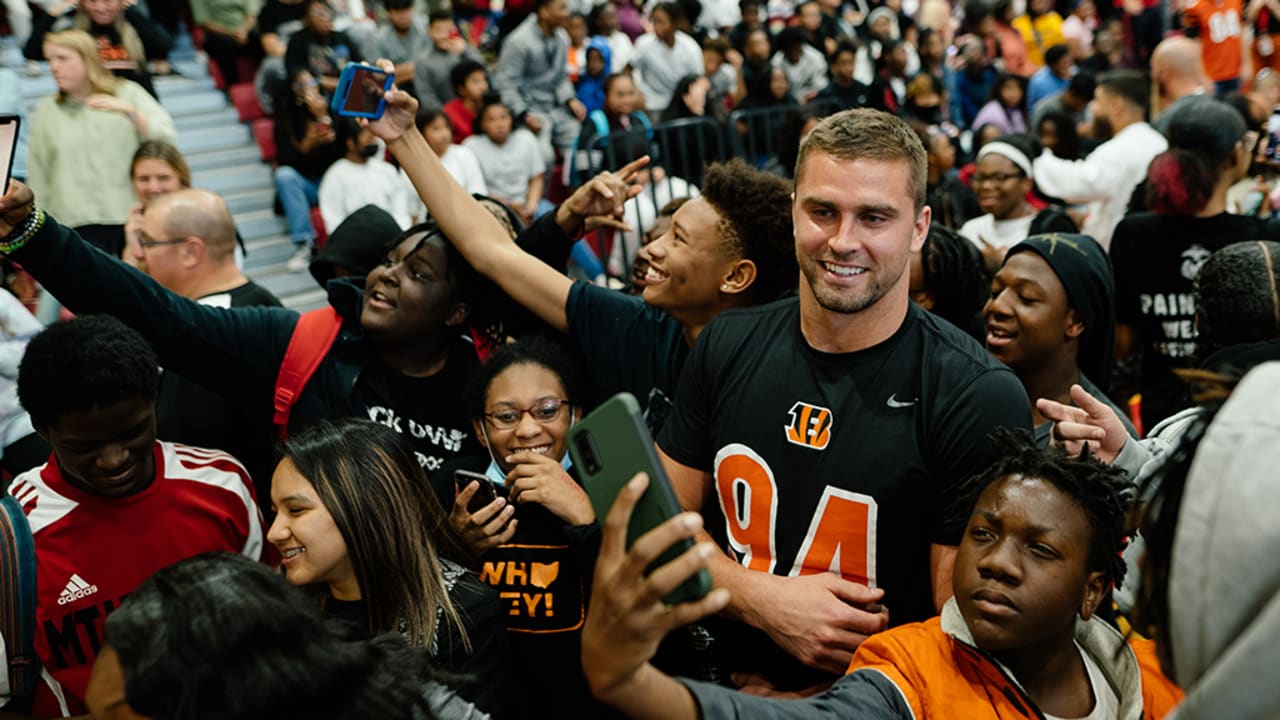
<point>473,231</point>
<point>237,352</point>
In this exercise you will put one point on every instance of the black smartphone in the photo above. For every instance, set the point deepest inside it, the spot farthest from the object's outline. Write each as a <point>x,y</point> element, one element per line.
<point>362,91</point>
<point>9,125</point>
<point>485,495</point>
<point>609,446</point>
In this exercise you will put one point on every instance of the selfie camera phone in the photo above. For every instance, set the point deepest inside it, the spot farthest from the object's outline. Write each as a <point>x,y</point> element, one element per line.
<point>362,91</point>
<point>9,147</point>
<point>609,446</point>
<point>485,495</point>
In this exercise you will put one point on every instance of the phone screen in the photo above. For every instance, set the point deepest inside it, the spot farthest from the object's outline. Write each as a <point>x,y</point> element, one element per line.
<point>8,145</point>
<point>365,92</point>
<point>484,495</point>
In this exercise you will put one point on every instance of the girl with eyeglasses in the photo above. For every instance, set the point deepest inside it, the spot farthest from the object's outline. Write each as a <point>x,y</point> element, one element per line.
<point>537,539</point>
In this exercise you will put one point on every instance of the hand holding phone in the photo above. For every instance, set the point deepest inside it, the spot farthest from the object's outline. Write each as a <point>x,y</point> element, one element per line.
<point>362,91</point>
<point>483,518</point>
<point>8,148</point>
<point>609,446</point>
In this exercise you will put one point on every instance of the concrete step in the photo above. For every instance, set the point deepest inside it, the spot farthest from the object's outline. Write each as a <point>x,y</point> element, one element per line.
<point>217,138</point>
<point>237,179</point>
<point>175,86</point>
<point>247,155</point>
<point>268,257</point>
<point>260,224</point>
<point>195,103</point>
<point>218,118</point>
<point>283,283</point>
<point>246,202</point>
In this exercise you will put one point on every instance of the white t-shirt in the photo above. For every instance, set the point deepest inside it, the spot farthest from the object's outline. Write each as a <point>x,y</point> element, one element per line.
<point>462,166</point>
<point>1106,704</point>
<point>998,233</point>
<point>662,67</point>
<point>508,167</point>
<point>348,186</point>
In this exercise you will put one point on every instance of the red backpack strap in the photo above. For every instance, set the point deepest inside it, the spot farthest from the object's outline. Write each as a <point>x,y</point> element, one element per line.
<point>312,337</point>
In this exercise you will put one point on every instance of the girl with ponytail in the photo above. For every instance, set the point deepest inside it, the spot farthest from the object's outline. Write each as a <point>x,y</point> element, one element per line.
<point>1158,254</point>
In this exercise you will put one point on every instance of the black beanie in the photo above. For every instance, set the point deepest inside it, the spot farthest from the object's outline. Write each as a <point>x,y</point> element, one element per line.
<point>1085,271</point>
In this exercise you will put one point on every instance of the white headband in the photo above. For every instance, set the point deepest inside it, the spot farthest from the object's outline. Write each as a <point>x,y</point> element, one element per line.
<point>1008,152</point>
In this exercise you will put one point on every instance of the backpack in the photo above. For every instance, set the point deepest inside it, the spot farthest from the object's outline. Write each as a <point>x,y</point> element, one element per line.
<point>18,595</point>
<point>308,346</point>
<point>601,123</point>
<point>312,337</point>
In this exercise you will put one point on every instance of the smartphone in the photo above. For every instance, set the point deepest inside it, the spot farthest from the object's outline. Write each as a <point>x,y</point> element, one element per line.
<point>608,447</point>
<point>8,148</point>
<point>361,91</point>
<point>485,495</point>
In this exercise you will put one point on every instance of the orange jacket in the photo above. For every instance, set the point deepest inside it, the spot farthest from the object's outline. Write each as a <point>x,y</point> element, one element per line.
<point>940,673</point>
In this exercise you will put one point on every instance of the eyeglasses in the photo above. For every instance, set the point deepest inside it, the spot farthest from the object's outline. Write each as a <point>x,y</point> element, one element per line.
<point>994,178</point>
<point>543,411</point>
<point>145,242</point>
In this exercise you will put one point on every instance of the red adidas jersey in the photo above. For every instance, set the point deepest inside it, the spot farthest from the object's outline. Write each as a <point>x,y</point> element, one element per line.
<point>92,551</point>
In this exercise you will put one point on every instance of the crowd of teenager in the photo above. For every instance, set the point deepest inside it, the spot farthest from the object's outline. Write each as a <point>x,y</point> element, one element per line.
<point>959,357</point>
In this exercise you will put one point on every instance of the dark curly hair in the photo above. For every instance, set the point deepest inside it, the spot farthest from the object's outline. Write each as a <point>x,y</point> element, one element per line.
<point>534,350</point>
<point>1103,492</point>
<point>957,277</point>
<point>91,361</point>
<point>755,224</point>
<point>1237,300</point>
<point>220,636</point>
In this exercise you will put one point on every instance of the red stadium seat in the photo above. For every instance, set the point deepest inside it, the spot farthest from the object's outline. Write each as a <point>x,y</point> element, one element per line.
<point>317,224</point>
<point>264,130</point>
<point>245,101</point>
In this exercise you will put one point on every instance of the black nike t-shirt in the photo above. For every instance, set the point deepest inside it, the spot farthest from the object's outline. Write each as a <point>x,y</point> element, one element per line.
<point>430,412</point>
<point>852,463</point>
<point>1156,260</point>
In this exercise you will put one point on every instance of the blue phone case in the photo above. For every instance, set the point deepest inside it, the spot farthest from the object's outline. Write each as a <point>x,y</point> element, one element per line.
<point>349,71</point>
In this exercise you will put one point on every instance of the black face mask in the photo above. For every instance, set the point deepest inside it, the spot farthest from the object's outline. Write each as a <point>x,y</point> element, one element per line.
<point>369,151</point>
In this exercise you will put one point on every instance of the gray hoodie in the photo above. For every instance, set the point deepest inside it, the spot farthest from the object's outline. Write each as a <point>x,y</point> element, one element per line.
<point>1224,585</point>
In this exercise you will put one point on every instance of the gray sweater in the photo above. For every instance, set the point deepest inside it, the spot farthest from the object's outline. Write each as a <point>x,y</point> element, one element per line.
<point>431,70</point>
<point>531,74</point>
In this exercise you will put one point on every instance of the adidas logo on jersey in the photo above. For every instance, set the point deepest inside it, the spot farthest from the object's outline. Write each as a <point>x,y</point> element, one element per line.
<point>76,588</point>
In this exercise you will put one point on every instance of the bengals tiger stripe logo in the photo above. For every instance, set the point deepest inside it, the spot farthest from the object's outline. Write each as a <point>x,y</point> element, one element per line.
<point>810,426</point>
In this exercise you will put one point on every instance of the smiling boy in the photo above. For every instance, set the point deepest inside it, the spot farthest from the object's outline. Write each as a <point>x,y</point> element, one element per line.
<point>113,504</point>
<point>1018,639</point>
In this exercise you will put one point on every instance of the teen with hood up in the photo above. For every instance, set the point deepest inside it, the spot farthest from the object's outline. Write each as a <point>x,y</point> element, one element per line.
<point>599,64</point>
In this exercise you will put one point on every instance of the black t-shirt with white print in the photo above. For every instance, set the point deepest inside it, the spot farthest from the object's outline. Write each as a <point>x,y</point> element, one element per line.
<point>852,463</point>
<point>1156,260</point>
<point>430,412</point>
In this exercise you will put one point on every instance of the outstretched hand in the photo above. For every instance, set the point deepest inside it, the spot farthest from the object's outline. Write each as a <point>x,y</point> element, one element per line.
<point>627,618</point>
<point>398,116</point>
<point>602,197</point>
<point>1090,421</point>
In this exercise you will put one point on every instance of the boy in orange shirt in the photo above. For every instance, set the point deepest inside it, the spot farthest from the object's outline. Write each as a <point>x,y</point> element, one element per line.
<point>1018,639</point>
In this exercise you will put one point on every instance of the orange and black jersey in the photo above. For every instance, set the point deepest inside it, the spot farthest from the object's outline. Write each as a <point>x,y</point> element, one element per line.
<point>850,463</point>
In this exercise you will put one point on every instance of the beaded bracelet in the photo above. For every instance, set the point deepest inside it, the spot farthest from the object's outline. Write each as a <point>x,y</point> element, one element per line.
<point>21,235</point>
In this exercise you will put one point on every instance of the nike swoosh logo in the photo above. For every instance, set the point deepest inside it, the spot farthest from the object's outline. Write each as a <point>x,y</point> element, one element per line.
<point>894,402</point>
